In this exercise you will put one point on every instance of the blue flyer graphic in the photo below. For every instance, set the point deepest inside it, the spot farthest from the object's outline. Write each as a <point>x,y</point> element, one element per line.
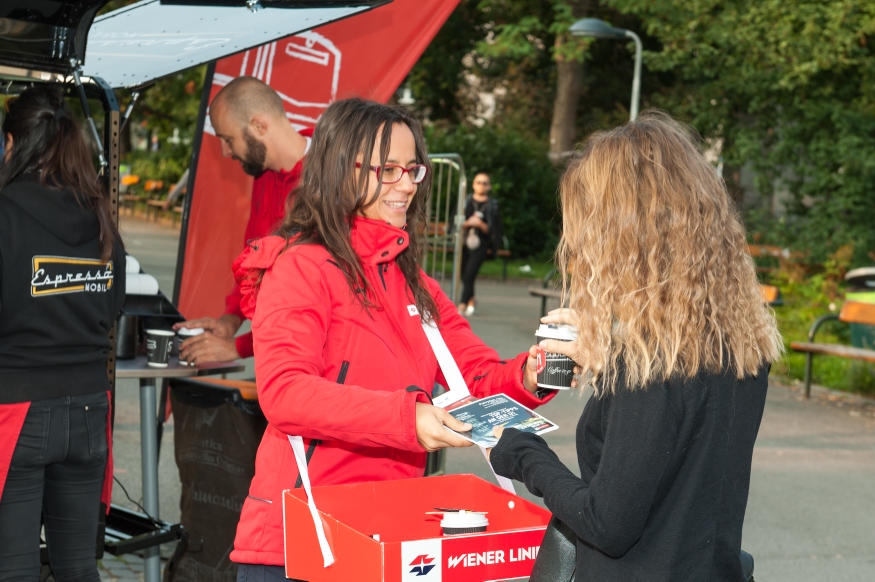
<point>499,410</point>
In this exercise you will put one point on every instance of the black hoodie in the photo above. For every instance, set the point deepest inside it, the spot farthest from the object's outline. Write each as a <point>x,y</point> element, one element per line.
<point>58,300</point>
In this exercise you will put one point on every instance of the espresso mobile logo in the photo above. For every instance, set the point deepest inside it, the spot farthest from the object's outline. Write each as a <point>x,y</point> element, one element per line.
<point>57,275</point>
<point>422,565</point>
<point>556,370</point>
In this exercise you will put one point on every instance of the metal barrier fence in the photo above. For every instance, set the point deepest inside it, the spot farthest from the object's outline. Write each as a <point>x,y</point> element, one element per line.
<point>445,214</point>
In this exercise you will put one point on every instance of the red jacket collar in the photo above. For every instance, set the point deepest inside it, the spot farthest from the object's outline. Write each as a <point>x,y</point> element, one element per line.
<point>376,241</point>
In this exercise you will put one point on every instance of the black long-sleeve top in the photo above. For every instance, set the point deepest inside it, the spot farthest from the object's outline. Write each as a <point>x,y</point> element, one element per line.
<point>665,471</point>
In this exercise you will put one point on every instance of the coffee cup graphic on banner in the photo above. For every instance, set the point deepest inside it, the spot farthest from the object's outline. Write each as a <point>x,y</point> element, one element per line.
<point>558,369</point>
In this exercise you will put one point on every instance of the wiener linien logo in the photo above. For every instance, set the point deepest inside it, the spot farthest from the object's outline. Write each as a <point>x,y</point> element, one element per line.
<point>422,565</point>
<point>57,275</point>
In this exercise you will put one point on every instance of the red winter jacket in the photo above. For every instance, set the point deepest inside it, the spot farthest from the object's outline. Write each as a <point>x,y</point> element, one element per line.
<point>343,378</point>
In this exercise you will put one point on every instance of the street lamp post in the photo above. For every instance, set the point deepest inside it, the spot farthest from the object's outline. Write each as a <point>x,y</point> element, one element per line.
<point>595,28</point>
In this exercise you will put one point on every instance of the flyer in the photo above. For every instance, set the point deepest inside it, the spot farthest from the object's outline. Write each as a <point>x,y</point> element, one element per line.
<point>499,410</point>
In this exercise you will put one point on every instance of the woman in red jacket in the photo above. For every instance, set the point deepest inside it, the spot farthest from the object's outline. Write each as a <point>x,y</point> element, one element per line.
<point>341,356</point>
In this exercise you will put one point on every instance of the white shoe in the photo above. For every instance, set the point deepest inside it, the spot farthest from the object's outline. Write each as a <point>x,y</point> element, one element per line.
<point>469,311</point>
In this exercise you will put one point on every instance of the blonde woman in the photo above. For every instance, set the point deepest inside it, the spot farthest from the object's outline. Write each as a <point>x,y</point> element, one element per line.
<point>677,345</point>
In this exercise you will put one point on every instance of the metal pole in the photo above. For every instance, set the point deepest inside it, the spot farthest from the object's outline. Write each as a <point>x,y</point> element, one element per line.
<point>149,452</point>
<point>636,79</point>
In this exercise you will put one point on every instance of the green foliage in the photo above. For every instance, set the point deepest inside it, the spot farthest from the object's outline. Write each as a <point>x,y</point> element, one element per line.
<point>790,88</point>
<point>524,36</point>
<point>168,111</point>
<point>437,76</point>
<point>167,164</point>
<point>523,181</point>
<point>809,294</point>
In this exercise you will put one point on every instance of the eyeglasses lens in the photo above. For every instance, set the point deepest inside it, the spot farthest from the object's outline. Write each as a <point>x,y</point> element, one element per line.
<point>392,174</point>
<point>418,173</point>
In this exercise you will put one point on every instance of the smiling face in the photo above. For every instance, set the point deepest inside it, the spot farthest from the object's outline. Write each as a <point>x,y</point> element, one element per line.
<point>390,204</point>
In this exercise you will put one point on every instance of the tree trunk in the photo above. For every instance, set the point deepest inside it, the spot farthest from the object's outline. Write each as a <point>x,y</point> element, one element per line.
<point>569,82</point>
<point>562,131</point>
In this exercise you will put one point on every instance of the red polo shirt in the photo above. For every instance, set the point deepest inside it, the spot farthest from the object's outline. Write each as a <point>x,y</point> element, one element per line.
<point>270,191</point>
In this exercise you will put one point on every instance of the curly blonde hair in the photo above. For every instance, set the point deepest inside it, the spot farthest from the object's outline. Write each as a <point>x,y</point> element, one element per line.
<point>655,262</point>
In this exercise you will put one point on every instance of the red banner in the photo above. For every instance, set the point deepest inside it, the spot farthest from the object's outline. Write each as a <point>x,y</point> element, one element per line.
<point>367,55</point>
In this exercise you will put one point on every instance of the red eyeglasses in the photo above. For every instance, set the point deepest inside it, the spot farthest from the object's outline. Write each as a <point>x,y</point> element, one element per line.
<point>392,173</point>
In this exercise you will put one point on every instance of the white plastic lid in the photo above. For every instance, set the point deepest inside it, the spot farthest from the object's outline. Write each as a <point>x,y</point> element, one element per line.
<point>559,332</point>
<point>192,331</point>
<point>464,519</point>
<point>160,332</point>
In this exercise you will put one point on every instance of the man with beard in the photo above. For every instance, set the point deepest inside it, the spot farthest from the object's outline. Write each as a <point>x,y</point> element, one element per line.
<point>250,120</point>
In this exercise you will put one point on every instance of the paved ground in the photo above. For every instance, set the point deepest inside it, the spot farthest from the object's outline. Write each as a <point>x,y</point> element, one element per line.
<point>811,506</point>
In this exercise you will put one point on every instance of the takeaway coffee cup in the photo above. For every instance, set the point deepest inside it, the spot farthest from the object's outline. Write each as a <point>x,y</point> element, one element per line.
<point>158,345</point>
<point>559,369</point>
<point>183,334</point>
<point>126,337</point>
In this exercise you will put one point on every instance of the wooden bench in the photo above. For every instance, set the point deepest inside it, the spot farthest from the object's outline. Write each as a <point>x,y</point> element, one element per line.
<point>852,312</point>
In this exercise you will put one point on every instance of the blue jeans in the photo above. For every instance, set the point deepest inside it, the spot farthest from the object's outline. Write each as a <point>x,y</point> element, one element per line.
<point>57,471</point>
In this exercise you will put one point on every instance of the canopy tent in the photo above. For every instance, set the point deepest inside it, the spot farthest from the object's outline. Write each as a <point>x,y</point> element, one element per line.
<point>148,40</point>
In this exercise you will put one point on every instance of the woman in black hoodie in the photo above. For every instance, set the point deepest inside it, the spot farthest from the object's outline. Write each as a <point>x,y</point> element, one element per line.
<point>61,287</point>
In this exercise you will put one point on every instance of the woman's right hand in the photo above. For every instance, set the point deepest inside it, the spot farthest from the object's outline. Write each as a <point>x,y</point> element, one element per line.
<point>431,431</point>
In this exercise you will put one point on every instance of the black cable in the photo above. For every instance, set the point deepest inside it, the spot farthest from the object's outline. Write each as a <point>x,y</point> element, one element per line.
<point>146,513</point>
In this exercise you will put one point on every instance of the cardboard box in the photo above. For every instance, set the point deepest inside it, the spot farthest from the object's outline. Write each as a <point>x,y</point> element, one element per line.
<point>379,532</point>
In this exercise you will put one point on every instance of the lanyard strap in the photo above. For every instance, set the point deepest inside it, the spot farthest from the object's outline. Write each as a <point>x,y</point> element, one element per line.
<point>458,390</point>
<point>301,459</point>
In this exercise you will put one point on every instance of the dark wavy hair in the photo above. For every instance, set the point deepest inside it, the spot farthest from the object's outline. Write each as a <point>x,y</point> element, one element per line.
<point>47,141</point>
<point>328,197</point>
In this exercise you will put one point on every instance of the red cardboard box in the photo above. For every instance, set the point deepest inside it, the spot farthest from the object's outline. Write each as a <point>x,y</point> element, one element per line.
<point>379,532</point>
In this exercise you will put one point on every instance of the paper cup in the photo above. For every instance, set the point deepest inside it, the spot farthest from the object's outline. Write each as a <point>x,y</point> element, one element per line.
<point>158,345</point>
<point>559,369</point>
<point>182,335</point>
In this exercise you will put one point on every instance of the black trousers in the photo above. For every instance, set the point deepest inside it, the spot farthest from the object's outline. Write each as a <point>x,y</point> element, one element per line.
<point>57,471</point>
<point>471,263</point>
<point>261,573</point>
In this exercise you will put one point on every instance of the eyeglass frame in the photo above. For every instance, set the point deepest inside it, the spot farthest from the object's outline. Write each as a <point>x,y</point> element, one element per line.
<point>378,170</point>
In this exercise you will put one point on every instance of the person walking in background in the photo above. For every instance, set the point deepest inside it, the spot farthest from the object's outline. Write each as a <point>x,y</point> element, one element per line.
<point>62,285</point>
<point>481,233</point>
<point>677,344</point>
<point>250,121</point>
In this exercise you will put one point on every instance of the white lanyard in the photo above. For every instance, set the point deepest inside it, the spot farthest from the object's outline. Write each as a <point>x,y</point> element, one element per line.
<point>458,390</point>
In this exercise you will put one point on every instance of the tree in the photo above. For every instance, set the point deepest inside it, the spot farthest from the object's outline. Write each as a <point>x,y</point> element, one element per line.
<point>522,32</point>
<point>789,87</point>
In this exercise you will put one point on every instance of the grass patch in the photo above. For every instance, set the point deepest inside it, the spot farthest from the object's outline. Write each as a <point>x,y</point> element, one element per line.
<point>516,268</point>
